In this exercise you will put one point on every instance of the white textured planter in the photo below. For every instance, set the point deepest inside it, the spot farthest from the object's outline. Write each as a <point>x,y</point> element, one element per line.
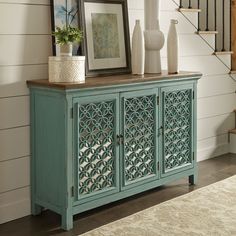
<point>138,52</point>
<point>172,49</point>
<point>67,69</point>
<point>66,50</point>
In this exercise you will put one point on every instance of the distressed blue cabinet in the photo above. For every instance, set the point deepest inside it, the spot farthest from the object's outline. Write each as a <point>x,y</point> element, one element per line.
<point>109,138</point>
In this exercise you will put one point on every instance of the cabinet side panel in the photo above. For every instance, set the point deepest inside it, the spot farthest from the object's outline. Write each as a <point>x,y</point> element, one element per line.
<point>49,149</point>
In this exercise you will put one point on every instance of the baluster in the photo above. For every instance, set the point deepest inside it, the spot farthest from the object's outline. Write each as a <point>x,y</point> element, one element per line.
<point>190,4</point>
<point>181,4</point>
<point>198,6</point>
<point>223,25</point>
<point>207,15</point>
<point>230,25</point>
<point>215,4</point>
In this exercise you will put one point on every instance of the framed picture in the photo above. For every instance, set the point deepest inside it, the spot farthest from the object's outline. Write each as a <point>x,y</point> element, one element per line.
<point>64,12</point>
<point>106,43</point>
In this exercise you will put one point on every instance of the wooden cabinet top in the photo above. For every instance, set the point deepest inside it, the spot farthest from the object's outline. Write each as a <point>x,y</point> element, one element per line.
<point>117,80</point>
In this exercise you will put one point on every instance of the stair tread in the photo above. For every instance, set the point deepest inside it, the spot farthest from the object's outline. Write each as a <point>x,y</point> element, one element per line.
<point>189,10</point>
<point>232,131</point>
<point>207,32</point>
<point>223,53</point>
<point>233,72</point>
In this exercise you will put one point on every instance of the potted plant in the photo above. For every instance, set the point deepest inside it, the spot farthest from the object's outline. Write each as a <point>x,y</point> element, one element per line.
<point>67,35</point>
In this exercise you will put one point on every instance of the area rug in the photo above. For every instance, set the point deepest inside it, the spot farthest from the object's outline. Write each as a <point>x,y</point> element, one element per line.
<point>209,211</point>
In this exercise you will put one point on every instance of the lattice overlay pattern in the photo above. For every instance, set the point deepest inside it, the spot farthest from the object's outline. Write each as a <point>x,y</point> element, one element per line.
<point>139,137</point>
<point>96,146</point>
<point>177,128</point>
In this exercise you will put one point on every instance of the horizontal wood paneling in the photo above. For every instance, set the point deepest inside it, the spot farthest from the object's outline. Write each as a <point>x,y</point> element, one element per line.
<point>215,106</point>
<point>32,2</point>
<point>136,4</point>
<point>133,16</point>
<point>14,143</point>
<point>13,78</point>
<point>14,204</point>
<point>31,19</point>
<point>168,5</point>
<point>25,49</point>
<point>215,126</point>
<point>186,42</point>
<point>208,65</point>
<point>14,112</point>
<point>183,27</point>
<point>215,85</point>
<point>14,174</point>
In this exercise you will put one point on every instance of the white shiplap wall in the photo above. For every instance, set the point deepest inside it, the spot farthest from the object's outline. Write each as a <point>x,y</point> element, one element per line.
<point>25,44</point>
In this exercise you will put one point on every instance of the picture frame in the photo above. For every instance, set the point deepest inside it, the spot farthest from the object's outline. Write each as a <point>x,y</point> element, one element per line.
<point>58,18</point>
<point>106,43</point>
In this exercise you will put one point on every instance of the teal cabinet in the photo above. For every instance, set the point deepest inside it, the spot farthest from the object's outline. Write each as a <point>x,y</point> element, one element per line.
<point>109,138</point>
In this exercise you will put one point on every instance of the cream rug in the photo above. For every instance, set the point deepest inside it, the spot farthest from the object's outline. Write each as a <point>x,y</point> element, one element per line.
<point>209,211</point>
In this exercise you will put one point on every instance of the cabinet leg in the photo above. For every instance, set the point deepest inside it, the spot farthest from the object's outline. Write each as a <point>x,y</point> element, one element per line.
<point>192,179</point>
<point>67,220</point>
<point>36,209</point>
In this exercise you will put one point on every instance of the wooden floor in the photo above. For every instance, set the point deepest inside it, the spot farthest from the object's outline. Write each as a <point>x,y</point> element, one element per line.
<point>48,223</point>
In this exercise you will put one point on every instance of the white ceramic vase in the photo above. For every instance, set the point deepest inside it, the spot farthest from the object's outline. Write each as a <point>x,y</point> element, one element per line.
<point>138,51</point>
<point>153,37</point>
<point>172,48</point>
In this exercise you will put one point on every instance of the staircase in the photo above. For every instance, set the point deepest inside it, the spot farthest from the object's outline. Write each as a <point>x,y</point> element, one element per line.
<point>214,18</point>
<point>212,22</point>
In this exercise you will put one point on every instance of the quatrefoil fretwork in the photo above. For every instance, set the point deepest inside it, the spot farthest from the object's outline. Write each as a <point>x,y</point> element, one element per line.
<point>139,150</point>
<point>177,133</point>
<point>96,147</point>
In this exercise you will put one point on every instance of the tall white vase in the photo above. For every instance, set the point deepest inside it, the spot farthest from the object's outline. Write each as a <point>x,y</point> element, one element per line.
<point>153,37</point>
<point>172,48</point>
<point>138,52</point>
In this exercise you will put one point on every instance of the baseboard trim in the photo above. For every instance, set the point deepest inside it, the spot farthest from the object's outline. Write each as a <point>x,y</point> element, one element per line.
<point>14,210</point>
<point>212,152</point>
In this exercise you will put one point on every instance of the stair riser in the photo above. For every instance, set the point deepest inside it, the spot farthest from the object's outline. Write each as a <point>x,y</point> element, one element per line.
<point>232,145</point>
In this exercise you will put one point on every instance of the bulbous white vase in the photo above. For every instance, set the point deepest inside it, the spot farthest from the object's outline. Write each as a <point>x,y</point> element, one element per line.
<point>153,37</point>
<point>154,41</point>
<point>172,48</point>
<point>138,52</point>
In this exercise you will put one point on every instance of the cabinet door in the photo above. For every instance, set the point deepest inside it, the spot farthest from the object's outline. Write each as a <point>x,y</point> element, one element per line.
<point>96,127</point>
<point>177,122</point>
<point>139,131</point>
